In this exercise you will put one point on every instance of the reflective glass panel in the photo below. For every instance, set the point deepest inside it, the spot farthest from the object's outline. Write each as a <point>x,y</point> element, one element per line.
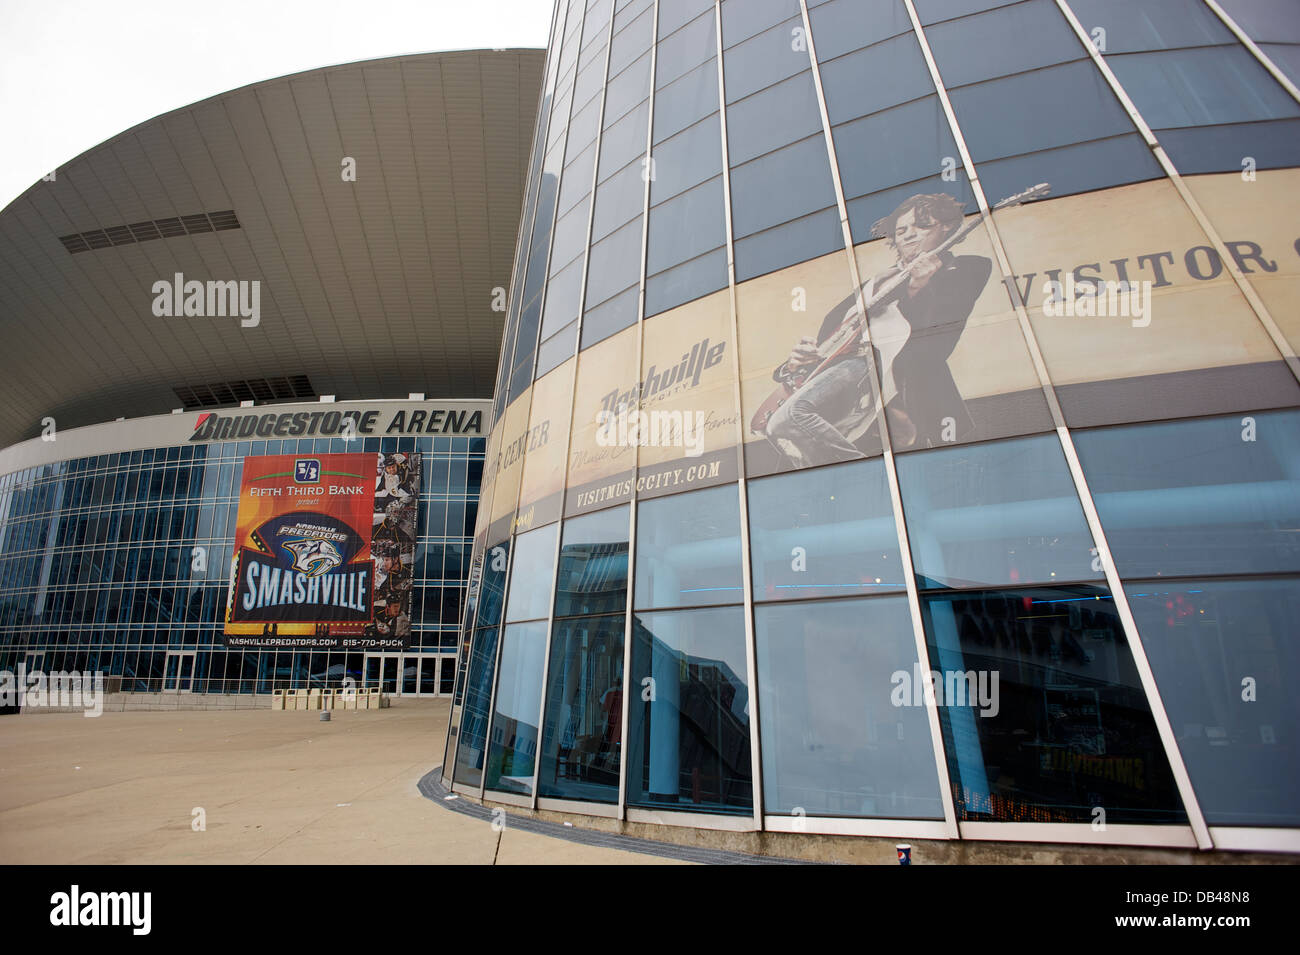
<point>1205,496</point>
<point>532,574</point>
<point>518,705</point>
<point>837,739</point>
<point>1224,653</point>
<point>1004,512</point>
<point>474,716</point>
<point>824,532</point>
<point>593,564</point>
<point>688,549</point>
<point>1044,718</point>
<point>688,727</point>
<point>582,742</point>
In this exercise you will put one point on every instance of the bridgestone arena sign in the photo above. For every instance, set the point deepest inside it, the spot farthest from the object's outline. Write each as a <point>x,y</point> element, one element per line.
<point>215,426</point>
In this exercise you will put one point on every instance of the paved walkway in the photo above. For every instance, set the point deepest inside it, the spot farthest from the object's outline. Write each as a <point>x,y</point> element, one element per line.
<point>275,787</point>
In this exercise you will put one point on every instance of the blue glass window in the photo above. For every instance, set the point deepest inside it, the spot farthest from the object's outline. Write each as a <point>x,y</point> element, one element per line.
<point>688,550</point>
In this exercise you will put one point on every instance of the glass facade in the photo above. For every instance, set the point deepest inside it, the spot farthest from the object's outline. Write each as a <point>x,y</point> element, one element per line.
<point>121,563</point>
<point>930,518</point>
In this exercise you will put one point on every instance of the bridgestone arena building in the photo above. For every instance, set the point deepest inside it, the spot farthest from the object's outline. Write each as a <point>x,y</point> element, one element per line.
<point>889,426</point>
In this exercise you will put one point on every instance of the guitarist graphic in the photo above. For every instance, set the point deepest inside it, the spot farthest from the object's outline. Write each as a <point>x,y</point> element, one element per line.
<point>918,310</point>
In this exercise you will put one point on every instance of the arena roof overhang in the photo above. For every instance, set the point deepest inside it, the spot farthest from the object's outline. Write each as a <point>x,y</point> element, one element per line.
<point>375,204</point>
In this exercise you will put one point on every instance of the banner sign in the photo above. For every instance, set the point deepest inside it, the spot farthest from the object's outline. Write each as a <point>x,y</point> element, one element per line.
<point>324,546</point>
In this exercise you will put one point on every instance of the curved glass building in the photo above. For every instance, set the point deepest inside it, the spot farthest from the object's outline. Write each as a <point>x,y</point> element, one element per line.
<point>897,429</point>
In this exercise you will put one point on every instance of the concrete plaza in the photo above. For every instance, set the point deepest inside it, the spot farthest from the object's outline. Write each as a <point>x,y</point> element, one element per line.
<point>274,787</point>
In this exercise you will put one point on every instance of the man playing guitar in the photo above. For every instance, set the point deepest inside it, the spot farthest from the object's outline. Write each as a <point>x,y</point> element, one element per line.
<point>928,313</point>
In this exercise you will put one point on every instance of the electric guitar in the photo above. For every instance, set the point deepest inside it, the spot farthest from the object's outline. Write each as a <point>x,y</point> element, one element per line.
<point>846,337</point>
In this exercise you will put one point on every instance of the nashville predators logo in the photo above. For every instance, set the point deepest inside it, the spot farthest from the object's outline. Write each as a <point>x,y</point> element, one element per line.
<point>313,556</point>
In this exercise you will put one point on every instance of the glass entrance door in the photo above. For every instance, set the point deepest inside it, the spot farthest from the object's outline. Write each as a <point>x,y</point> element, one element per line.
<point>178,677</point>
<point>411,674</point>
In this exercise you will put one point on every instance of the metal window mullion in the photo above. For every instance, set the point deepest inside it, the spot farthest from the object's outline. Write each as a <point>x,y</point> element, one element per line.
<point>573,396</point>
<point>647,165</point>
<point>1264,59</point>
<point>1226,258</point>
<point>887,450</point>
<point>747,584</point>
<point>1082,491</point>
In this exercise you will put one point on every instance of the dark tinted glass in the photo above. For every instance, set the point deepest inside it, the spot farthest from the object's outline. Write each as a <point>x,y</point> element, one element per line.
<point>764,59</point>
<point>688,728</point>
<point>750,129</point>
<point>827,673</point>
<point>786,244</point>
<point>687,159</point>
<point>1223,652</point>
<point>686,226</point>
<point>1044,718</point>
<point>880,76</point>
<point>593,564</point>
<point>1151,24</point>
<point>993,44</point>
<point>686,282</point>
<point>825,532</point>
<point>474,716</point>
<point>842,26</point>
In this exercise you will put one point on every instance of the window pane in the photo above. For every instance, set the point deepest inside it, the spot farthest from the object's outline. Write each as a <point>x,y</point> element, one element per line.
<point>1151,24</point>
<point>688,744</point>
<point>686,282</point>
<point>896,146</point>
<point>493,589</point>
<point>750,129</point>
<point>474,717</point>
<point>1044,718</point>
<point>788,243</point>
<point>593,564</point>
<point>688,549</point>
<point>762,60</point>
<point>835,741</point>
<point>1184,498</point>
<point>781,186</point>
<point>518,705</point>
<point>998,513</point>
<point>1205,639</point>
<point>1073,169</point>
<point>880,76</point>
<point>582,739</point>
<point>686,160</point>
<point>845,25</point>
<point>1073,104</point>
<point>827,532</point>
<point>532,574</point>
<point>686,226</point>
<point>615,263</point>
<point>993,44</point>
<point>686,100</point>
<point>1198,87</point>
<point>612,316</point>
<point>686,49</point>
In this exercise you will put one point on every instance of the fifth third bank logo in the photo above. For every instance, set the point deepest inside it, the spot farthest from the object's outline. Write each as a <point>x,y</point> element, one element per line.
<point>75,907</point>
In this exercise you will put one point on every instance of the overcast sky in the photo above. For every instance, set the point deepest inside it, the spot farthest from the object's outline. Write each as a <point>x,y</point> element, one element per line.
<point>74,73</point>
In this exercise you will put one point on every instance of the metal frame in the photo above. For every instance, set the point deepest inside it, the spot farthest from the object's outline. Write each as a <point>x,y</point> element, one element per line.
<point>1173,837</point>
<point>746,568</point>
<point>859,826</point>
<point>692,820</point>
<point>887,448</point>
<point>604,810</point>
<point>636,451</point>
<point>1255,839</point>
